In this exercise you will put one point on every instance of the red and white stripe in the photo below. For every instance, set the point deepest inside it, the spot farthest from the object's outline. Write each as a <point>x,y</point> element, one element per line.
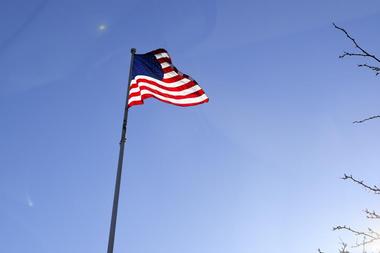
<point>175,88</point>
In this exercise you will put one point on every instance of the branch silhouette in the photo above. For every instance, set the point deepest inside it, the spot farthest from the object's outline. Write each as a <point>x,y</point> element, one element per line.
<point>366,119</point>
<point>373,189</point>
<point>363,237</point>
<point>363,53</point>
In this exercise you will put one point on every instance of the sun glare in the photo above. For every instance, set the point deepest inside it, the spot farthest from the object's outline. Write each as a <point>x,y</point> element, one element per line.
<point>102,27</point>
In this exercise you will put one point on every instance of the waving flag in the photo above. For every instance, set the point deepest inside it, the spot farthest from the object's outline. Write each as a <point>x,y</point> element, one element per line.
<point>153,75</point>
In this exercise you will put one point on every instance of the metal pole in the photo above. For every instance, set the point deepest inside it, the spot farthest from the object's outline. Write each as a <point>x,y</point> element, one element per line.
<point>111,238</point>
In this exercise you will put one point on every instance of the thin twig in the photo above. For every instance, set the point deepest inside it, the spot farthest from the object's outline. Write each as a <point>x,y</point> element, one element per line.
<point>355,232</point>
<point>374,232</point>
<point>371,214</point>
<point>364,52</point>
<point>366,119</point>
<point>365,242</point>
<point>373,189</point>
<point>373,68</point>
<point>344,248</point>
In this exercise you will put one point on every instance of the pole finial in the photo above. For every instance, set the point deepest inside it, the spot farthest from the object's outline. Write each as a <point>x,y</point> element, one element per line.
<point>133,50</point>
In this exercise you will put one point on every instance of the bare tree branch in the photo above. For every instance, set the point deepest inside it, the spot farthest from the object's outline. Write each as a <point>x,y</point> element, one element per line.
<point>364,242</point>
<point>366,119</point>
<point>363,53</point>
<point>371,214</point>
<point>355,232</point>
<point>362,238</point>
<point>344,248</point>
<point>367,237</point>
<point>374,68</point>
<point>373,189</point>
<point>351,54</point>
<point>373,232</point>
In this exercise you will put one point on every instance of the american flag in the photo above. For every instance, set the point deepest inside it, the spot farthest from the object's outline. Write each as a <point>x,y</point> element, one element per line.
<point>153,75</point>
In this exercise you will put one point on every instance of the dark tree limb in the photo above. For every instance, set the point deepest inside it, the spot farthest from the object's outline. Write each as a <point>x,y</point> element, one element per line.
<point>363,238</point>
<point>367,237</point>
<point>373,68</point>
<point>364,53</point>
<point>373,189</point>
<point>366,119</point>
<point>355,232</point>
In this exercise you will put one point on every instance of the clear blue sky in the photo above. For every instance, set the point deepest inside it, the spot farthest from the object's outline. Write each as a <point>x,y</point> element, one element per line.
<point>255,170</point>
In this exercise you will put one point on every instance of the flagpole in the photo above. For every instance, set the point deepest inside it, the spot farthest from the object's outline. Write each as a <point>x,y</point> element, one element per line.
<point>111,238</point>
